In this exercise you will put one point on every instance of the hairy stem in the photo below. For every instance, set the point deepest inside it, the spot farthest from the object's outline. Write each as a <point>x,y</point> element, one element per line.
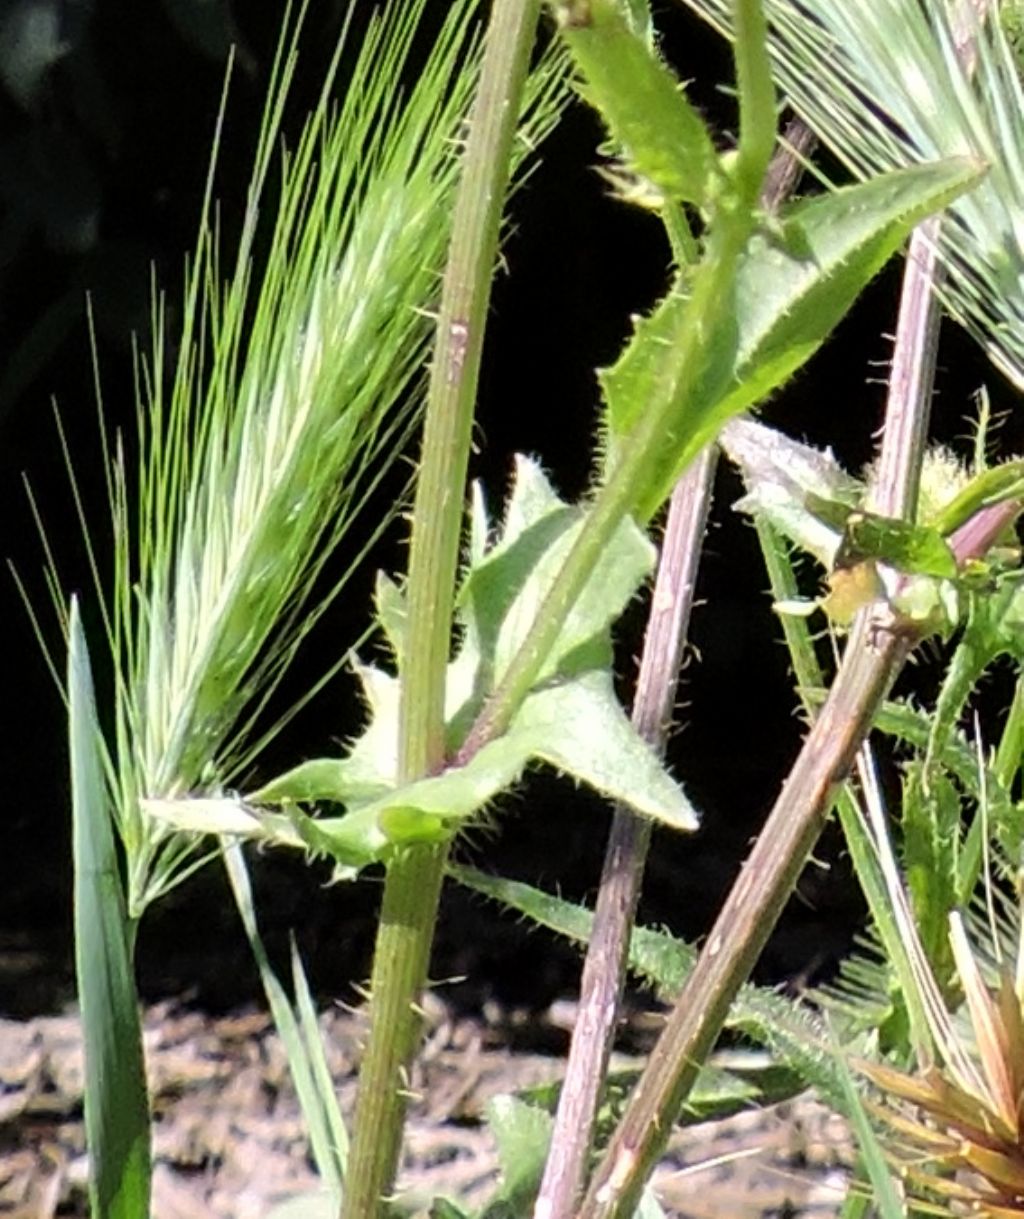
<point>626,853</point>
<point>413,883</point>
<point>708,305</point>
<point>877,650</point>
<point>893,489</point>
<point>748,916</point>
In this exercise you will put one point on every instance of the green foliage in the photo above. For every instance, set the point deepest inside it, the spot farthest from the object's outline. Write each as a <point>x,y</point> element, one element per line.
<point>991,486</point>
<point>801,491</point>
<point>791,286</point>
<point>883,1189</point>
<point>953,755</point>
<point>930,824</point>
<point>116,1108</point>
<point>1011,17</point>
<point>442,1208</point>
<point>845,68</point>
<point>958,818</point>
<point>297,1027</point>
<point>806,496</point>
<point>793,1033</point>
<point>943,850</point>
<point>292,393</point>
<point>662,137</point>
<point>751,310</point>
<point>522,1133</point>
<point>920,549</point>
<point>571,721</point>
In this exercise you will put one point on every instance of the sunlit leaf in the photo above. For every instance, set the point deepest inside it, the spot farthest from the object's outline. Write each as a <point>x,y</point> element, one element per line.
<point>887,82</point>
<point>661,135</point>
<point>572,720</point>
<point>793,284</point>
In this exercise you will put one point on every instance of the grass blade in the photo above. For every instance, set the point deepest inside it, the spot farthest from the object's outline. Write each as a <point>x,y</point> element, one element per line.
<point>329,1121</point>
<point>116,1109</point>
<point>300,1036</point>
<point>883,1189</point>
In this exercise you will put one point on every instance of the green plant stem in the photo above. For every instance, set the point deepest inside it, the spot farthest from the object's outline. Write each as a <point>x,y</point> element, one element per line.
<point>756,99</point>
<point>618,496</point>
<point>413,883</point>
<point>863,850</point>
<point>893,491</point>
<point>626,853</point>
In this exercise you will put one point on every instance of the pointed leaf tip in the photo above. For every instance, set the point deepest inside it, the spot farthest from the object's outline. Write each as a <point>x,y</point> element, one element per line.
<point>792,285</point>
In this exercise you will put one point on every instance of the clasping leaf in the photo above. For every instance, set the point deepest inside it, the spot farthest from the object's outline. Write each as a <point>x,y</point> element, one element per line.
<point>571,719</point>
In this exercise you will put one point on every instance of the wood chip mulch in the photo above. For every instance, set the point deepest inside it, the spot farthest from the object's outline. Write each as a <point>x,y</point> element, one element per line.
<point>229,1142</point>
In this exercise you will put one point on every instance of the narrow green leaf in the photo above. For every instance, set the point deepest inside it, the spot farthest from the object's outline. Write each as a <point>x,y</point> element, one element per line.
<point>301,1039</point>
<point>930,823</point>
<point>914,727</point>
<point>886,82</point>
<point>884,1191</point>
<point>661,136</point>
<point>796,284</point>
<point>331,1135</point>
<point>856,1206</point>
<point>792,1033</point>
<point>116,1107</point>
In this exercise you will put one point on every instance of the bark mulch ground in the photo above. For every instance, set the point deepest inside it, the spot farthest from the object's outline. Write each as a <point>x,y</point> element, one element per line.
<point>229,1140</point>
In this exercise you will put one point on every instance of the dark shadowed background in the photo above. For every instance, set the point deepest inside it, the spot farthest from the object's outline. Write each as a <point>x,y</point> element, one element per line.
<point>107,110</point>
